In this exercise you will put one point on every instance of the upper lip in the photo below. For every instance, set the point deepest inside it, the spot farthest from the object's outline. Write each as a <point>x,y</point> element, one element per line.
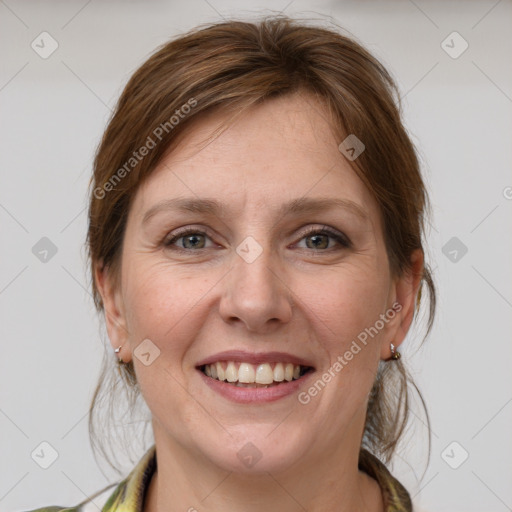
<point>255,358</point>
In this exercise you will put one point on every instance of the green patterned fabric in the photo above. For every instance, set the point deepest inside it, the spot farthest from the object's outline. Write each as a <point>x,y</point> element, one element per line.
<point>128,495</point>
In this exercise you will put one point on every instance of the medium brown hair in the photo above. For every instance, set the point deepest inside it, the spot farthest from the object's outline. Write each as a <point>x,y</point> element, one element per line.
<point>231,66</point>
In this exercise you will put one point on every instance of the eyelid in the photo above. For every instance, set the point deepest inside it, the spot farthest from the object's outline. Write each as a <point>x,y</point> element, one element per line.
<point>181,232</point>
<point>339,236</point>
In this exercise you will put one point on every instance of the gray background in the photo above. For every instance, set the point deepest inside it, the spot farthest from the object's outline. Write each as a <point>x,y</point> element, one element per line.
<point>458,111</point>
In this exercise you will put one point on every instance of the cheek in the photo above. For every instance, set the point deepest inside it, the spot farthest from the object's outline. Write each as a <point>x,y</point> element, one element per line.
<point>348,303</point>
<point>158,301</point>
<point>161,306</point>
<point>345,312</point>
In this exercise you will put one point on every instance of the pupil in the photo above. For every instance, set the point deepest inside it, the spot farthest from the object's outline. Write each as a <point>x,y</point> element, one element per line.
<point>318,239</point>
<point>192,238</point>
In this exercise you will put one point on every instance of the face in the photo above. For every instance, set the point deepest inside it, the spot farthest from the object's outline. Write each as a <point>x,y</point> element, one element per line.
<point>257,258</point>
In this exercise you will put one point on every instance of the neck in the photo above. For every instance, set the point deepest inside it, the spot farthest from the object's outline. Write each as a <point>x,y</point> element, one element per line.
<point>188,483</point>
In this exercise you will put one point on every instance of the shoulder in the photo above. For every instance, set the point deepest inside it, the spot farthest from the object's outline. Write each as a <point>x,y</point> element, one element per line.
<point>94,503</point>
<point>122,496</point>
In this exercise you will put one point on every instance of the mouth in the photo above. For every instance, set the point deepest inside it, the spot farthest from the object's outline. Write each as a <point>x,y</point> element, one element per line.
<point>250,375</point>
<point>251,378</point>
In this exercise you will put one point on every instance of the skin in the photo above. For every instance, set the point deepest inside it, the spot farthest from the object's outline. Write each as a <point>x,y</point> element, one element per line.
<point>311,302</point>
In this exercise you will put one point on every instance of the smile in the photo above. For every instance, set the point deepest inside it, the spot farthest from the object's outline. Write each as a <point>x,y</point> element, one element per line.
<point>244,374</point>
<point>246,377</point>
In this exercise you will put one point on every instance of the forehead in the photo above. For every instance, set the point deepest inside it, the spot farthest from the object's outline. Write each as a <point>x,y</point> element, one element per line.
<point>275,153</point>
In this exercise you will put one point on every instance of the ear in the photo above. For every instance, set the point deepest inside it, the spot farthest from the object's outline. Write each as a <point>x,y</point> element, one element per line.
<point>114,312</point>
<point>405,291</point>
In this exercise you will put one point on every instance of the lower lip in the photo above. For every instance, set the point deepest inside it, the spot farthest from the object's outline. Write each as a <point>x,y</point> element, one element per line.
<point>251,395</point>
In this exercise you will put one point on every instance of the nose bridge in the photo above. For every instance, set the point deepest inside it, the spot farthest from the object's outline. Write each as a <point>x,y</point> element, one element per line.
<point>252,266</point>
<point>254,292</point>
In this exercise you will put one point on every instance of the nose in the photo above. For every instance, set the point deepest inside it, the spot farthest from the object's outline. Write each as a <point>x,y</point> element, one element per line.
<point>256,294</point>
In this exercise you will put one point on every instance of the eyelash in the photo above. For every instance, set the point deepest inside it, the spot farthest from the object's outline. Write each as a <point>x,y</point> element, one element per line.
<point>342,240</point>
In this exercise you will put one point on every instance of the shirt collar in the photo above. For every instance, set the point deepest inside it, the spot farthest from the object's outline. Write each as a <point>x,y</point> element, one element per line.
<point>129,494</point>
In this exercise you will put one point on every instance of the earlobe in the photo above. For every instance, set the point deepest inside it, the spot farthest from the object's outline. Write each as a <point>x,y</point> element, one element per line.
<point>406,291</point>
<point>113,308</point>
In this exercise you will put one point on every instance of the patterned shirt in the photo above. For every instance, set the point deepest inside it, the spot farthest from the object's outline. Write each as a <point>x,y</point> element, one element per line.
<point>128,495</point>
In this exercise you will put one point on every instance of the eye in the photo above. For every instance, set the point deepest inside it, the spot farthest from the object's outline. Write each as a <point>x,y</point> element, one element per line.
<point>319,238</point>
<point>191,239</point>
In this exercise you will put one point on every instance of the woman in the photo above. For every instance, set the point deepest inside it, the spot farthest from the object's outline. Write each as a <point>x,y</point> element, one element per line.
<point>255,234</point>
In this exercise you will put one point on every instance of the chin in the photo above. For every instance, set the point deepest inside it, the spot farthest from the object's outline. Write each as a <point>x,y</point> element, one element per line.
<point>254,451</point>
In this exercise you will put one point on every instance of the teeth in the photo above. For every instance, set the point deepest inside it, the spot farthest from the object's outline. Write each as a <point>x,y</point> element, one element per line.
<point>246,373</point>
<point>261,375</point>
<point>279,372</point>
<point>288,372</point>
<point>231,373</point>
<point>221,375</point>
<point>264,374</point>
<point>242,385</point>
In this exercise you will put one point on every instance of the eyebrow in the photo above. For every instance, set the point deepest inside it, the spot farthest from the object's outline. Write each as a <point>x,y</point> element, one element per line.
<point>303,205</point>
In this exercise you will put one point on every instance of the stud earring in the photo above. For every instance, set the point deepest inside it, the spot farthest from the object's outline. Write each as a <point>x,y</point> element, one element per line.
<point>119,359</point>
<point>395,355</point>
